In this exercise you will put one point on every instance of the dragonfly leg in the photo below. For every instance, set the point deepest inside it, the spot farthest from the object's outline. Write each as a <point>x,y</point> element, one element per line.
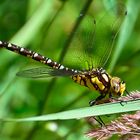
<point>100,121</point>
<point>116,99</point>
<point>93,102</point>
<point>97,119</point>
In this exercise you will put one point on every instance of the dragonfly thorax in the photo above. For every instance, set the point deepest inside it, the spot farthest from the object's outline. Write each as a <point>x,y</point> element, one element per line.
<point>98,79</point>
<point>95,79</point>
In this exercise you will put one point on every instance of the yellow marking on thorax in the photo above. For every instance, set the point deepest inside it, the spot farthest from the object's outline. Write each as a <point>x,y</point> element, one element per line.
<point>78,80</point>
<point>105,77</point>
<point>74,78</point>
<point>95,80</point>
<point>82,83</point>
<point>89,84</point>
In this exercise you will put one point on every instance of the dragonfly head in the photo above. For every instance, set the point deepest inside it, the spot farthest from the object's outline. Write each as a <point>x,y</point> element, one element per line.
<point>117,86</point>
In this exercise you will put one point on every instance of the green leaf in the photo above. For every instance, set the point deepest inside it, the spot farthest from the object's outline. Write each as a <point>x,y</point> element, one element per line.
<point>97,110</point>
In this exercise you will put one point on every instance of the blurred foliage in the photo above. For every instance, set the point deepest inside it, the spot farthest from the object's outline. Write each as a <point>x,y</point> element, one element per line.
<point>44,26</point>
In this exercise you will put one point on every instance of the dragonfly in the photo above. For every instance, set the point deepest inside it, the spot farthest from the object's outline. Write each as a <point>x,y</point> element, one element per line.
<point>95,77</point>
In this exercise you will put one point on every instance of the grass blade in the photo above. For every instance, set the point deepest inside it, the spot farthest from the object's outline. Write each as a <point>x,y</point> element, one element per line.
<point>97,110</point>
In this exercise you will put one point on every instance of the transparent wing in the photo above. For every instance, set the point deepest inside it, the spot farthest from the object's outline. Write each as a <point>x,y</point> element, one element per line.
<point>43,72</point>
<point>94,39</point>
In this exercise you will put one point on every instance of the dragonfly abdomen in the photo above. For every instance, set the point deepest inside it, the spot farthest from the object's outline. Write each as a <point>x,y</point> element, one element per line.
<point>33,55</point>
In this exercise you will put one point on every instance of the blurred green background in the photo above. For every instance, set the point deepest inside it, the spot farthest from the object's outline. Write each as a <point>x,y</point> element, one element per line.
<point>43,26</point>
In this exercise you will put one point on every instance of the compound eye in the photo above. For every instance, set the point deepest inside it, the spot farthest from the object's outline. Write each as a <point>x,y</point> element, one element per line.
<point>115,84</point>
<point>116,88</point>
